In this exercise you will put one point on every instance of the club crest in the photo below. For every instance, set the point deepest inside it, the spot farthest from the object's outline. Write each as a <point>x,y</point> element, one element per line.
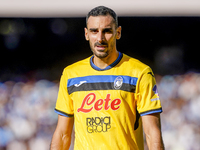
<point>118,82</point>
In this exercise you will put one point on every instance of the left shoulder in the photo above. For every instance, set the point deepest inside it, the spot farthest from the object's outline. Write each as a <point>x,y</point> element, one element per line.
<point>135,63</point>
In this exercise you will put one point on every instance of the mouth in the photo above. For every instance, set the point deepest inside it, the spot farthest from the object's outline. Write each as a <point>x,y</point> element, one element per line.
<point>102,47</point>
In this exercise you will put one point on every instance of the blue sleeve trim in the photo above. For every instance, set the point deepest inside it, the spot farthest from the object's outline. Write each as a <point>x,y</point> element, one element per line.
<point>63,114</point>
<point>151,112</point>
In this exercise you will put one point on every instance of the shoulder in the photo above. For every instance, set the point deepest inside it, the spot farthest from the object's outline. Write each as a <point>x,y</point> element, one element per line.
<point>79,65</point>
<point>134,64</point>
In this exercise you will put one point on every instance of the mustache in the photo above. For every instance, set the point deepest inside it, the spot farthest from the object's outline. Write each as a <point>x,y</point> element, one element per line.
<point>101,44</point>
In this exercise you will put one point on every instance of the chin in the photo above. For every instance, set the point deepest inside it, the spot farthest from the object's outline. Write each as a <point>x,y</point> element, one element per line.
<point>102,54</point>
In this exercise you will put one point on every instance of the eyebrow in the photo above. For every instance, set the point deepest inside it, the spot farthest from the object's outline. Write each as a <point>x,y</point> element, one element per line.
<point>93,29</point>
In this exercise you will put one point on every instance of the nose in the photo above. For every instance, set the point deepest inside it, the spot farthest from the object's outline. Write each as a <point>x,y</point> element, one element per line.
<point>101,37</point>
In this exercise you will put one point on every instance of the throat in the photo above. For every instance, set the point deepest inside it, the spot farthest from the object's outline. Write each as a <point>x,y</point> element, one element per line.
<point>102,63</point>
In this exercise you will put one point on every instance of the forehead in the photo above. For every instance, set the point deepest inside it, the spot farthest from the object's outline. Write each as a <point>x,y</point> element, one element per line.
<point>100,21</point>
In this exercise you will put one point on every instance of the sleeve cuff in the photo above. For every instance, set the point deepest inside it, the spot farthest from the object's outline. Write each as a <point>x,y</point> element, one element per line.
<point>151,112</point>
<point>63,113</point>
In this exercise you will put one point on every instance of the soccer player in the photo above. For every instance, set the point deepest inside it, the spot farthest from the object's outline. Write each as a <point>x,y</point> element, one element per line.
<point>109,97</point>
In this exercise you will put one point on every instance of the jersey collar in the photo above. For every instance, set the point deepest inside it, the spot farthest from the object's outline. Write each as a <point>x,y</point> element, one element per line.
<point>108,67</point>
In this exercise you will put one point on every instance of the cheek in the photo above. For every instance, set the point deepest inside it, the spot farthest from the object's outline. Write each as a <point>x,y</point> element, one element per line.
<point>92,38</point>
<point>111,40</point>
<point>109,37</point>
<point>91,45</point>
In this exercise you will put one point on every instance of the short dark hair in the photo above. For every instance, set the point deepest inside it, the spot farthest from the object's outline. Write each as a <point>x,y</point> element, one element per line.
<point>102,11</point>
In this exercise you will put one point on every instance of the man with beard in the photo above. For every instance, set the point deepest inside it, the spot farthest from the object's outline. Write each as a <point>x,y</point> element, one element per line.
<point>108,96</point>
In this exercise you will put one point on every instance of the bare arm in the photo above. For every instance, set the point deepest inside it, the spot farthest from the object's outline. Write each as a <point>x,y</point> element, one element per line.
<point>152,128</point>
<point>62,136</point>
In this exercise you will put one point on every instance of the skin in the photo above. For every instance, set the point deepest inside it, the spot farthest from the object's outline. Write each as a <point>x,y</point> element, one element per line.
<point>61,139</point>
<point>152,129</point>
<point>102,34</point>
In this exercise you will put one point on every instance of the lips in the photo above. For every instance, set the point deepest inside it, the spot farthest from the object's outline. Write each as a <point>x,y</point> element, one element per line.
<point>101,46</point>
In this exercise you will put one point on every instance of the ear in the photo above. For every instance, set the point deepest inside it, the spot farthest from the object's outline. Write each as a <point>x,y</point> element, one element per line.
<point>86,34</point>
<point>119,30</point>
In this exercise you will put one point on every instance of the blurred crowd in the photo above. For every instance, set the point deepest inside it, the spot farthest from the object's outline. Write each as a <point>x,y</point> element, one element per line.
<point>180,96</point>
<point>27,118</point>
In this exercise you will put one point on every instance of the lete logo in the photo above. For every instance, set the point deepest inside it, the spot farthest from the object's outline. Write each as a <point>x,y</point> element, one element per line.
<point>89,103</point>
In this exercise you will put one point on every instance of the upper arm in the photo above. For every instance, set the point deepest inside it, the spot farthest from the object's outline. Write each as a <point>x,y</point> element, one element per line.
<point>64,107</point>
<point>152,128</point>
<point>149,107</point>
<point>62,135</point>
<point>148,101</point>
<point>151,123</point>
<point>65,125</point>
<point>64,103</point>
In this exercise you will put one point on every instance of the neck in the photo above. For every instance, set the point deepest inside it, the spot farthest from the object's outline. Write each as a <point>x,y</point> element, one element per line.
<point>104,62</point>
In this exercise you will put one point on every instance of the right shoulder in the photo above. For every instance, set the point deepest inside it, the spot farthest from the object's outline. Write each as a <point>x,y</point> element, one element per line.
<point>77,66</point>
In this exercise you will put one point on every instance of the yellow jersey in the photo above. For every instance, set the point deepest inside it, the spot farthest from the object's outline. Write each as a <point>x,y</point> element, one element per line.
<point>107,103</point>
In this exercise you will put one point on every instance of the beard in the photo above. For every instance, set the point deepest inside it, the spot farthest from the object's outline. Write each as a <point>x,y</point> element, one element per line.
<point>99,53</point>
<point>102,53</point>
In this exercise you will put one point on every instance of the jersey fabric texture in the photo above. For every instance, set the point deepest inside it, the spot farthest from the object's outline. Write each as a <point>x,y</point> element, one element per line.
<point>107,103</point>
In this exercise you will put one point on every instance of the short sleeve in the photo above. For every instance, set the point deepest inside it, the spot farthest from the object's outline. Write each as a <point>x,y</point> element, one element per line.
<point>148,101</point>
<point>64,104</point>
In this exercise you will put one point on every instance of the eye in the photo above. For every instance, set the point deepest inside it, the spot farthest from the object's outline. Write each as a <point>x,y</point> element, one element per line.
<point>94,31</point>
<point>108,31</point>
